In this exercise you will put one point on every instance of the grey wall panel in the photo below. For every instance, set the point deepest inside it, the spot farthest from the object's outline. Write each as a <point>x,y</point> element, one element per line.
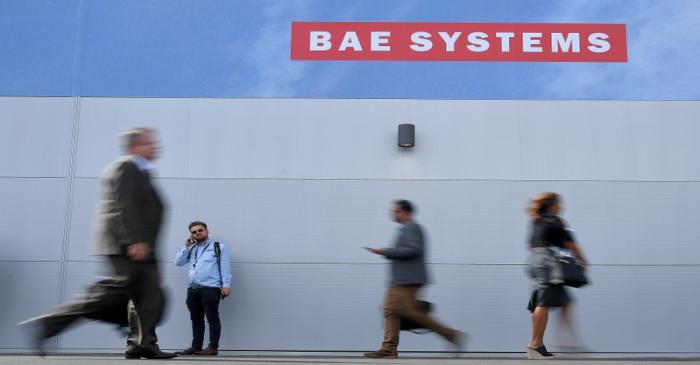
<point>33,218</point>
<point>336,307</point>
<point>82,234</point>
<point>102,119</point>
<point>646,308</point>
<point>663,138</point>
<point>29,289</point>
<point>576,141</point>
<point>482,222</point>
<point>296,187</point>
<point>627,309</point>
<point>37,136</point>
<point>456,139</point>
<point>293,307</point>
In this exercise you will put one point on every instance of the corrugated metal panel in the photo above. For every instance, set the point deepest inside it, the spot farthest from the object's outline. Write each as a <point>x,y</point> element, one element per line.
<point>32,218</point>
<point>297,187</point>
<point>29,290</point>
<point>36,136</point>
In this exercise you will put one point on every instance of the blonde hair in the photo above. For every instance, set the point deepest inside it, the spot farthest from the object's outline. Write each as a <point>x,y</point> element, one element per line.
<point>541,204</point>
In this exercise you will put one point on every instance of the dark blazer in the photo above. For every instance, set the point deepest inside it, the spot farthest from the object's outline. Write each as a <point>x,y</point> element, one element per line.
<point>408,256</point>
<point>130,209</point>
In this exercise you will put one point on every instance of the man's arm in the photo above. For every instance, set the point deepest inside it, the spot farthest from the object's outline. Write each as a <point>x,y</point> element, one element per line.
<point>410,245</point>
<point>225,271</point>
<point>183,255</point>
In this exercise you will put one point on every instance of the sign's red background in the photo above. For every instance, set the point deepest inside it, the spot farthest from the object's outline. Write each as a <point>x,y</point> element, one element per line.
<point>400,40</point>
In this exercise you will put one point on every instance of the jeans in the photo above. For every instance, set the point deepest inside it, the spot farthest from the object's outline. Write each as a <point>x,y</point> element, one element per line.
<point>201,302</point>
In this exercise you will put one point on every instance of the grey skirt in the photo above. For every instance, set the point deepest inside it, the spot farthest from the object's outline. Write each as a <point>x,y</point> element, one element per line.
<point>544,293</point>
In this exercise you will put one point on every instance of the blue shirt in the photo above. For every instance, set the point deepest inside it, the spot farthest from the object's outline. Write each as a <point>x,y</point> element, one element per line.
<point>202,263</point>
<point>142,163</point>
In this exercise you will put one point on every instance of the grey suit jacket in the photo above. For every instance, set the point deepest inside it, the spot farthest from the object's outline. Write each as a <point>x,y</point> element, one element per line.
<point>408,256</point>
<point>129,210</point>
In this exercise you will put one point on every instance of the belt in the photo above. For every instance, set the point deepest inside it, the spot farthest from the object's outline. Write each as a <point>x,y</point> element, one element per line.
<point>194,286</point>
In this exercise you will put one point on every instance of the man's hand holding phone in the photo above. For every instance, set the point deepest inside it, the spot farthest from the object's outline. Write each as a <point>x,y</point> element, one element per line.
<point>378,251</point>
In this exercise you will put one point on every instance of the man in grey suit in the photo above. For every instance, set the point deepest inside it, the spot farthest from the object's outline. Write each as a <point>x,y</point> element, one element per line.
<point>130,214</point>
<point>408,275</point>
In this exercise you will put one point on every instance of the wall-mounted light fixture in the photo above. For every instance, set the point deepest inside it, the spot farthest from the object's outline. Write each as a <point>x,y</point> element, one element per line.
<point>407,135</point>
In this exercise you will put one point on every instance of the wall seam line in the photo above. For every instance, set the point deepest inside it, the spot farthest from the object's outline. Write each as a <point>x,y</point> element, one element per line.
<point>69,205</point>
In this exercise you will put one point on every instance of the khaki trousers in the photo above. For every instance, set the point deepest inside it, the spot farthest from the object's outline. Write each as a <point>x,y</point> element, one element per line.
<point>400,301</point>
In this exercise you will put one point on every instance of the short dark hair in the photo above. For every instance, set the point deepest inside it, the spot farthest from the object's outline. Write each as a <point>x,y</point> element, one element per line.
<point>404,205</point>
<point>197,223</point>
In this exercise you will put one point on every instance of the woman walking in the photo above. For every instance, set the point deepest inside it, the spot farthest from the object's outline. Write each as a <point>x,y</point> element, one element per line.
<point>549,233</point>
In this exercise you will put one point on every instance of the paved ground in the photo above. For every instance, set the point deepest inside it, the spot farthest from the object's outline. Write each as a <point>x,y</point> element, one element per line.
<point>470,359</point>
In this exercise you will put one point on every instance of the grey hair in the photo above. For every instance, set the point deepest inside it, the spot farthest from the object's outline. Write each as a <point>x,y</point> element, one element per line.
<point>133,136</point>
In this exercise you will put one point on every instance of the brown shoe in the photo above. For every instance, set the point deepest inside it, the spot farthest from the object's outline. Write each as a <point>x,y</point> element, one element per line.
<point>382,353</point>
<point>207,352</point>
<point>188,351</point>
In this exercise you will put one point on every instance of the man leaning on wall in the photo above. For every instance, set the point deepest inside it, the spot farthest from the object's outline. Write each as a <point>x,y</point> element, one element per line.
<point>208,282</point>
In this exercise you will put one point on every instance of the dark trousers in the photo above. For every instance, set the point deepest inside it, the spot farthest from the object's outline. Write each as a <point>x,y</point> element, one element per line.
<point>201,302</point>
<point>107,301</point>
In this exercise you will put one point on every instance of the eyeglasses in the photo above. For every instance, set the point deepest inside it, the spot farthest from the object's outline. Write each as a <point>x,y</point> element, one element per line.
<point>197,230</point>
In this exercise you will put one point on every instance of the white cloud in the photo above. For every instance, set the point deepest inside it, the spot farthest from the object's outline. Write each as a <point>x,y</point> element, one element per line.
<point>342,71</point>
<point>663,52</point>
<point>267,55</point>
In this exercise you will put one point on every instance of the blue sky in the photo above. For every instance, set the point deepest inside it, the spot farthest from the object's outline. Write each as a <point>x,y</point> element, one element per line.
<point>224,48</point>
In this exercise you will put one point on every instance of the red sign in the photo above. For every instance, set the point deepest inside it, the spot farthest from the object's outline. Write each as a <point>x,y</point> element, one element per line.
<point>509,42</point>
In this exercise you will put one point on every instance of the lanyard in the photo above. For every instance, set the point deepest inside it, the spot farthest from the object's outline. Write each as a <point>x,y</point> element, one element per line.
<point>197,250</point>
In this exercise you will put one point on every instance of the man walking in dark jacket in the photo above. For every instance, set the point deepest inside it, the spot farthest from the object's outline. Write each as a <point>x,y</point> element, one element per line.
<point>408,275</point>
<point>129,218</point>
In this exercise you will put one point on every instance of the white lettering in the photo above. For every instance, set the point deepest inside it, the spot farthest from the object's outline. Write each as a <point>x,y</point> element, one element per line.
<point>572,41</point>
<point>478,42</point>
<point>505,40</point>
<point>449,40</point>
<point>599,43</point>
<point>421,43</point>
<point>530,43</point>
<point>380,41</point>
<point>319,41</point>
<point>350,40</point>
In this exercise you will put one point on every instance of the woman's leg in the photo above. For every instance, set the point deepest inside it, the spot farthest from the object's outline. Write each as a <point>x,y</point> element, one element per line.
<point>539,324</point>
<point>568,334</point>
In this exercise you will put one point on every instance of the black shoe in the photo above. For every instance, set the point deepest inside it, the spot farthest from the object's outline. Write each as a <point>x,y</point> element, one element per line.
<point>34,330</point>
<point>157,354</point>
<point>539,353</point>
<point>148,354</point>
<point>131,355</point>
